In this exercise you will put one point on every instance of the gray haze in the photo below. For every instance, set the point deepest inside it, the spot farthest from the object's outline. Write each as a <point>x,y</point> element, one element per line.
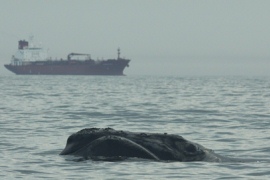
<point>161,37</point>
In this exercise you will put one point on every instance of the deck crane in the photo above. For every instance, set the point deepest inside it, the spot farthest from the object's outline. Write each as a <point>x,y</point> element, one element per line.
<point>78,54</point>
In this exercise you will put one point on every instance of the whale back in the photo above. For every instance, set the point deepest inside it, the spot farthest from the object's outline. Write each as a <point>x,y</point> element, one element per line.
<point>107,143</point>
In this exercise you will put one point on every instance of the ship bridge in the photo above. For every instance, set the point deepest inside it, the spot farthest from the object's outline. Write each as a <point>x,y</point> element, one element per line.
<point>28,51</point>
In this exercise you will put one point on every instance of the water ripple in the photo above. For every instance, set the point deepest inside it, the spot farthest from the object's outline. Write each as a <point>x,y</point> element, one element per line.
<point>227,114</point>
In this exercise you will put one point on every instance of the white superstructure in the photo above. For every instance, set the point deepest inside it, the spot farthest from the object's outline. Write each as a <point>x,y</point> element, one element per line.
<point>28,51</point>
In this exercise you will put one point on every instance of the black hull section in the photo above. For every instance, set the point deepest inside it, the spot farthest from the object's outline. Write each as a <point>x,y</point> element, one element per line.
<point>113,68</point>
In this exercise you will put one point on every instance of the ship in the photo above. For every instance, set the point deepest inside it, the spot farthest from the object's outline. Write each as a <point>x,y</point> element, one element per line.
<point>31,59</point>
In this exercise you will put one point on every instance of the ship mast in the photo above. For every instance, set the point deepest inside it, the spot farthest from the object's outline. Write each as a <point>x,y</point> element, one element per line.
<point>118,53</point>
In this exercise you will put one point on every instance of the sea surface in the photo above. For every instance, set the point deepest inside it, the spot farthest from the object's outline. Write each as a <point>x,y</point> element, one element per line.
<point>230,115</point>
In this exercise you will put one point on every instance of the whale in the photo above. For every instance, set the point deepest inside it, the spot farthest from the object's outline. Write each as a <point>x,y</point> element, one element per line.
<point>107,144</point>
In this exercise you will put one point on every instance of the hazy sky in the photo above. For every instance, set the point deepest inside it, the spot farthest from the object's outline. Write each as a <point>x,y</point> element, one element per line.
<point>161,37</point>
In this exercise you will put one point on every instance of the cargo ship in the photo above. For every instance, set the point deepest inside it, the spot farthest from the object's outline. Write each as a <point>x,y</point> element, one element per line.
<point>31,59</point>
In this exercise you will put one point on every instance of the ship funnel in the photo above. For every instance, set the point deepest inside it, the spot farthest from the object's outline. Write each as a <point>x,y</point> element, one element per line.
<point>22,44</point>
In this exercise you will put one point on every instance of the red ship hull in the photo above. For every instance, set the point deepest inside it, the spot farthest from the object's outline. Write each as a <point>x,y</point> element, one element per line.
<point>113,68</point>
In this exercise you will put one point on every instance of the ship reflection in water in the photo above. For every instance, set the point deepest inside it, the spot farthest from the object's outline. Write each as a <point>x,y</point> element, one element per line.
<point>33,60</point>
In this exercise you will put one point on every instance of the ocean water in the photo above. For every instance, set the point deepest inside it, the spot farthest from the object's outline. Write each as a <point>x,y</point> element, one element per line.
<point>230,115</point>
